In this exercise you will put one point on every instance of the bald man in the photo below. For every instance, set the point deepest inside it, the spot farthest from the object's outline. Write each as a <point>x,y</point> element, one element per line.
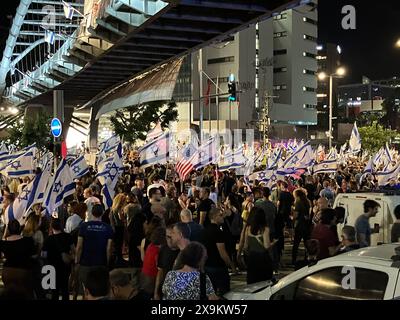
<point>195,228</point>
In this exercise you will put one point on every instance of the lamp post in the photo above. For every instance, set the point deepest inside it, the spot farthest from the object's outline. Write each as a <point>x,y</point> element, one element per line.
<point>340,73</point>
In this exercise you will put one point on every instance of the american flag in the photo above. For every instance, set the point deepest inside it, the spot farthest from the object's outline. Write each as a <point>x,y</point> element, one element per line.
<point>185,164</point>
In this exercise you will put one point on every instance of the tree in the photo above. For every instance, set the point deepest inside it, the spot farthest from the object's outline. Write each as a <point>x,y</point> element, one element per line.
<point>133,123</point>
<point>391,109</point>
<point>34,129</point>
<point>375,136</point>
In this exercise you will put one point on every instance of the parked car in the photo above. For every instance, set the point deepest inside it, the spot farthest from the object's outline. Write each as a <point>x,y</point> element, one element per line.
<point>366,274</point>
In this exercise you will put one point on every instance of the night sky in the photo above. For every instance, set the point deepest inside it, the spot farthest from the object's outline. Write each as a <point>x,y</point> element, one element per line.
<point>368,50</point>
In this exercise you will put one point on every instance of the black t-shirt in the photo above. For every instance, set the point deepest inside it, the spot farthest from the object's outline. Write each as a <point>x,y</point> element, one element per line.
<point>211,235</point>
<point>285,202</point>
<point>311,189</point>
<point>303,215</point>
<point>166,258</point>
<point>55,245</point>
<point>195,231</point>
<point>136,230</point>
<point>205,206</point>
<point>95,236</point>
<point>147,211</point>
<point>18,253</point>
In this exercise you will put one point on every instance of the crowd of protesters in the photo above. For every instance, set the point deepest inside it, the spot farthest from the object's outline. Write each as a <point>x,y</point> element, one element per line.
<point>163,239</point>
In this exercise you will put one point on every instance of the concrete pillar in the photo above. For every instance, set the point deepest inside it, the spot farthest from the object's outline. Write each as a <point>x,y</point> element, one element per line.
<point>94,130</point>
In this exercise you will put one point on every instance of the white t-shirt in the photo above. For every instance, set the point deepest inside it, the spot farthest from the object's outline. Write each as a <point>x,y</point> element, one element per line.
<point>72,223</point>
<point>90,202</point>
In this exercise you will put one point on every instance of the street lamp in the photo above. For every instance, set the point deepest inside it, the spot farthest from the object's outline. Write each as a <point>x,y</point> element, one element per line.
<point>397,44</point>
<point>340,73</point>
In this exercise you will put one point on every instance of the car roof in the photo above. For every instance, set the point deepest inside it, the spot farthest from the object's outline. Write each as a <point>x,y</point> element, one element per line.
<point>382,252</point>
<point>379,255</point>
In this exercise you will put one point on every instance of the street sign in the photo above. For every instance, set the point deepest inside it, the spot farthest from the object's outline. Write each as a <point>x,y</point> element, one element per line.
<point>56,127</point>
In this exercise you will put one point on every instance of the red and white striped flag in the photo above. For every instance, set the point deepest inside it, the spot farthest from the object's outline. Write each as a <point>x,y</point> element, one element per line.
<point>185,164</point>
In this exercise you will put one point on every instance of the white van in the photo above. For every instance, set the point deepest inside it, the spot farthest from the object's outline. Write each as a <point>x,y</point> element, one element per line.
<point>353,203</point>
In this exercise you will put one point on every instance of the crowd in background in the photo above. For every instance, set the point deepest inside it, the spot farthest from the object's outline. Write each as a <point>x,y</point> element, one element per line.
<point>164,239</point>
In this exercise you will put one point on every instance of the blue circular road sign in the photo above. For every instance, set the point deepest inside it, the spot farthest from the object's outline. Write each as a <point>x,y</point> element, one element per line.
<point>56,127</point>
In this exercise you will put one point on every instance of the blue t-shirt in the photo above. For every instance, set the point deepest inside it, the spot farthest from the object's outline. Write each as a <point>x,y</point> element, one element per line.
<point>362,227</point>
<point>95,236</point>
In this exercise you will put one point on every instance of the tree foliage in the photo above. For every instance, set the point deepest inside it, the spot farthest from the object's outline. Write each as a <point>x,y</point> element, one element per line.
<point>391,109</point>
<point>133,123</point>
<point>375,136</point>
<point>34,129</point>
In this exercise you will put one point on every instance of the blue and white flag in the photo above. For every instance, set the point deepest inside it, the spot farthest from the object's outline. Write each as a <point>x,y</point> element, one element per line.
<point>369,169</point>
<point>116,169</point>
<point>262,176</point>
<point>388,153</point>
<point>327,166</point>
<point>333,154</point>
<point>232,160</point>
<point>3,149</point>
<point>272,161</point>
<point>156,151</point>
<point>301,159</point>
<point>79,167</point>
<point>61,186</point>
<point>49,37</point>
<point>103,168</point>
<point>22,166</point>
<point>384,177</point>
<point>68,10</point>
<point>355,140</point>
<point>110,145</point>
<point>101,157</point>
<point>206,154</point>
<point>31,194</point>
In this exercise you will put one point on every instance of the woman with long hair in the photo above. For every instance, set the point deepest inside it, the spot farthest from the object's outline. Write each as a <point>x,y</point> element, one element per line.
<point>302,220</point>
<point>117,221</point>
<point>189,282</point>
<point>257,245</point>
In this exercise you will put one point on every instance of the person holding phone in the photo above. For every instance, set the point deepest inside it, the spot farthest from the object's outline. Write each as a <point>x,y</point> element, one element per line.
<point>363,229</point>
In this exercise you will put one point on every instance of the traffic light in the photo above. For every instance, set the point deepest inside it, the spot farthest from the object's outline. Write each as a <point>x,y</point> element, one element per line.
<point>232,90</point>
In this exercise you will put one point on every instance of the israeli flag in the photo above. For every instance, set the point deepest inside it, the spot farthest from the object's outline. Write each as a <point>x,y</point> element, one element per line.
<point>116,169</point>
<point>3,149</point>
<point>262,176</point>
<point>333,154</point>
<point>385,176</point>
<point>101,157</point>
<point>103,169</point>
<point>355,140</point>
<point>369,169</point>
<point>79,167</point>
<point>156,151</point>
<point>61,186</point>
<point>68,10</point>
<point>388,153</point>
<point>272,162</point>
<point>327,166</point>
<point>301,159</point>
<point>31,194</point>
<point>232,160</point>
<point>206,154</point>
<point>22,166</point>
<point>49,37</point>
<point>110,145</point>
